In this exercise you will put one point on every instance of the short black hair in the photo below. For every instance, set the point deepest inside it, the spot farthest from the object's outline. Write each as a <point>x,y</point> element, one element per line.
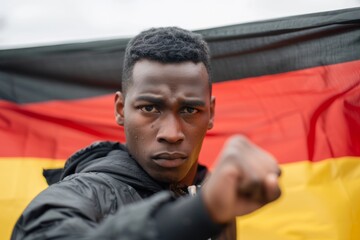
<point>165,45</point>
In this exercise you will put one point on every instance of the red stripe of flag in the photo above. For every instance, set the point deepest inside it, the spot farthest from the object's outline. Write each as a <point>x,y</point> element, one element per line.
<point>310,114</point>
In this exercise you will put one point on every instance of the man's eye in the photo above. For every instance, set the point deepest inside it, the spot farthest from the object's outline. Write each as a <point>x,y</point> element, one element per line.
<point>149,109</point>
<point>189,110</point>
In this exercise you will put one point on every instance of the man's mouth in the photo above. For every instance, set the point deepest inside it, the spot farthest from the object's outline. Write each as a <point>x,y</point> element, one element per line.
<point>169,160</point>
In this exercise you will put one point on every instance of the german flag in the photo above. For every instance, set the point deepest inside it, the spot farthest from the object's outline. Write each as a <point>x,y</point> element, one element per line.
<point>292,85</point>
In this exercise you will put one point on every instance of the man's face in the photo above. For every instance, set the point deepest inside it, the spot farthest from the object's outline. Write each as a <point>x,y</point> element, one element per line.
<point>166,113</point>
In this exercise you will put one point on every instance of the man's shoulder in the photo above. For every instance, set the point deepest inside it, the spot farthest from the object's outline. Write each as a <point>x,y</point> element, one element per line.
<point>99,148</point>
<point>83,159</point>
<point>93,182</point>
<point>89,190</point>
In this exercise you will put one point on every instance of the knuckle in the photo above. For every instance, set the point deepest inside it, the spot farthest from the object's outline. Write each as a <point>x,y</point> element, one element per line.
<point>232,154</point>
<point>238,139</point>
<point>255,182</point>
<point>276,195</point>
<point>251,185</point>
<point>242,140</point>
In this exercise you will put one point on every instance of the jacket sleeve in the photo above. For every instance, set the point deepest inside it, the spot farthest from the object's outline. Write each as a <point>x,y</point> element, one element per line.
<point>74,209</point>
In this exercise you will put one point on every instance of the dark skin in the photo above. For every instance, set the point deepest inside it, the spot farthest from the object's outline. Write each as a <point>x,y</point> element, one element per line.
<point>166,112</point>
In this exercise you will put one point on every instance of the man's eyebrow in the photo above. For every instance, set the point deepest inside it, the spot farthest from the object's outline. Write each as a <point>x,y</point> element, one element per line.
<point>151,99</point>
<point>193,103</point>
<point>161,101</point>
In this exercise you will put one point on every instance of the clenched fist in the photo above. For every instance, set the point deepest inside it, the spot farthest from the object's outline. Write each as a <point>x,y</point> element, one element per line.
<point>244,179</point>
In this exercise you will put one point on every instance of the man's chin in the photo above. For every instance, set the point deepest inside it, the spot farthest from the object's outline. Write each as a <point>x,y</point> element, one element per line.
<point>166,178</point>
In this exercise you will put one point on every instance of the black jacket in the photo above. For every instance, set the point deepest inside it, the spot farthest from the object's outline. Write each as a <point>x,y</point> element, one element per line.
<point>104,194</point>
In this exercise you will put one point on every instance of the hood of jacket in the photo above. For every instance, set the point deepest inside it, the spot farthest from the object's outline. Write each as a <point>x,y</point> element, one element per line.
<point>113,159</point>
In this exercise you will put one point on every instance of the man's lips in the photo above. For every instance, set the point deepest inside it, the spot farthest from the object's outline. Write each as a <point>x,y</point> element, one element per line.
<point>169,155</point>
<point>169,160</point>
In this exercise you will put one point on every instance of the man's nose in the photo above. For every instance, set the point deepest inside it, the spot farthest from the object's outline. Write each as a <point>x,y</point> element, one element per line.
<point>170,130</point>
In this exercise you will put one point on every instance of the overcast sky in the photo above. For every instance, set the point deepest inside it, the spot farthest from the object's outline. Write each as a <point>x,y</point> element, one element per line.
<point>46,22</point>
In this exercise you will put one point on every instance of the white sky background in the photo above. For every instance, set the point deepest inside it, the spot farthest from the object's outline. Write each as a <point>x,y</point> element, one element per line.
<point>44,22</point>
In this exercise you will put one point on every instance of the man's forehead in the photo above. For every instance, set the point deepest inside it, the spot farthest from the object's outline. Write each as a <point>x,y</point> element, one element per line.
<point>186,78</point>
<point>149,68</point>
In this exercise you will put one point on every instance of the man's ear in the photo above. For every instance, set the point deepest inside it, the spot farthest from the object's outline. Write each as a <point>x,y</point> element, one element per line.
<point>119,108</point>
<point>212,112</point>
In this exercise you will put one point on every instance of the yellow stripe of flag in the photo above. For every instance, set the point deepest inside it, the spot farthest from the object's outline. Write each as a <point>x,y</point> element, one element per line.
<point>320,200</point>
<point>20,181</point>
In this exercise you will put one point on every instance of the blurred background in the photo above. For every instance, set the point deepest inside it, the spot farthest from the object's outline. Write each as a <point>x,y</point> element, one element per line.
<point>42,22</point>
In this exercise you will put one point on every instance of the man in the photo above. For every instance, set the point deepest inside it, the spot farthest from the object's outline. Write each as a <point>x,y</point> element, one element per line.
<point>139,190</point>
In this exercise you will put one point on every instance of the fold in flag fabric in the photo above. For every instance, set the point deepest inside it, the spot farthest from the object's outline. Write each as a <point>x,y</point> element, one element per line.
<point>292,85</point>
